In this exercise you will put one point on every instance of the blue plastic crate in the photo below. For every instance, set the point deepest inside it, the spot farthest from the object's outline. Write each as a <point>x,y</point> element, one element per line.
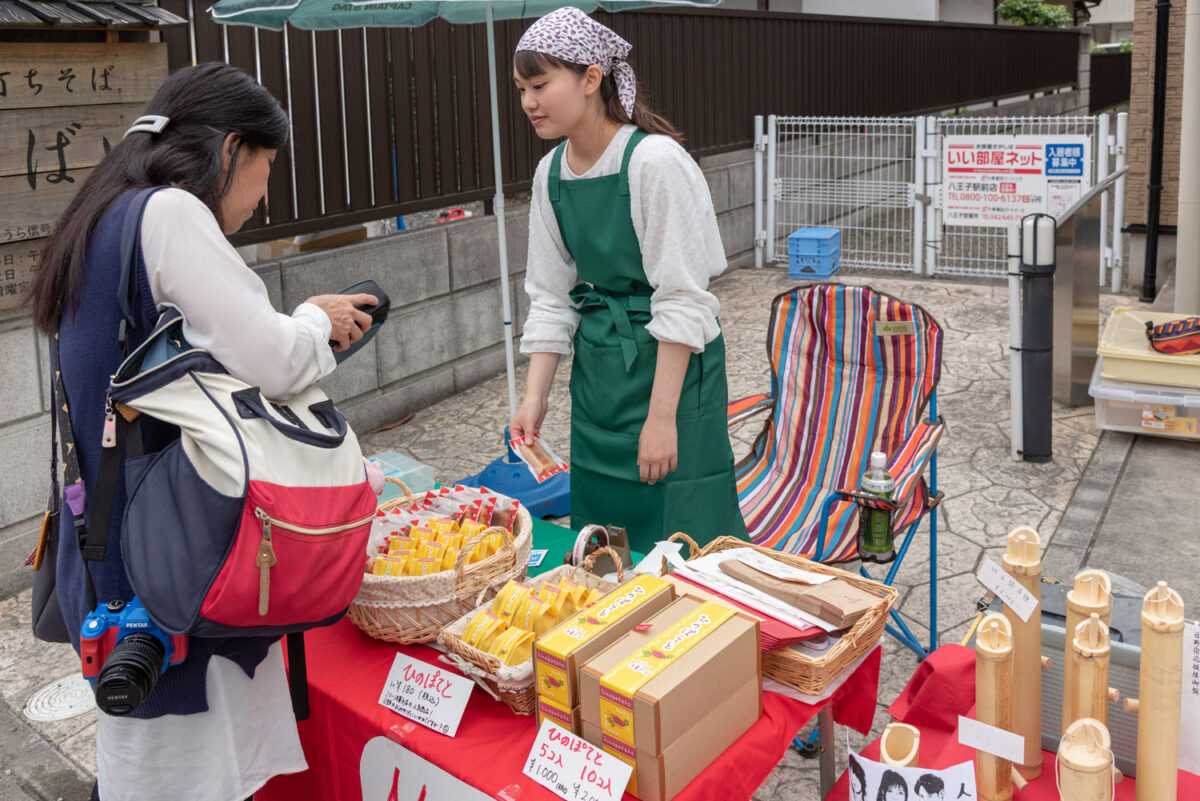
<point>814,241</point>
<point>820,266</point>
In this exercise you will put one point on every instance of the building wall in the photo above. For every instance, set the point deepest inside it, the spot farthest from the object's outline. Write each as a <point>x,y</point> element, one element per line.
<point>980,12</point>
<point>1140,106</point>
<point>443,335</point>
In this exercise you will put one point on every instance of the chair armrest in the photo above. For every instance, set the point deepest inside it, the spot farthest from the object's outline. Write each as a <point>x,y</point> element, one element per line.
<point>745,408</point>
<point>906,466</point>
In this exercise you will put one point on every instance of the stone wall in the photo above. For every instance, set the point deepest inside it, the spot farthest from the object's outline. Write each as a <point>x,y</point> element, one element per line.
<point>444,334</point>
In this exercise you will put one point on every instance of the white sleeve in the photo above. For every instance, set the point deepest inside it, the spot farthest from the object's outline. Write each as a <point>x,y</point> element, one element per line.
<point>676,227</point>
<point>193,267</point>
<point>549,276</point>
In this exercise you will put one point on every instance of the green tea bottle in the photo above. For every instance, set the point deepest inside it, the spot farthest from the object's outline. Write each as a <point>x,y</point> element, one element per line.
<point>875,525</point>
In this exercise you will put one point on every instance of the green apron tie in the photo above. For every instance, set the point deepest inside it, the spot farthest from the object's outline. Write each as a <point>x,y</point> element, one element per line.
<point>587,297</point>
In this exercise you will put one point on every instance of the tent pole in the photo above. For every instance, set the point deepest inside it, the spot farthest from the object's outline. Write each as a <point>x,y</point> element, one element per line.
<point>498,208</point>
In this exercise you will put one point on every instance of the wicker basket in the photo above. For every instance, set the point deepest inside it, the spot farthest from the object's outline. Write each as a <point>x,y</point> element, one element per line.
<point>413,609</point>
<point>515,684</point>
<point>812,674</point>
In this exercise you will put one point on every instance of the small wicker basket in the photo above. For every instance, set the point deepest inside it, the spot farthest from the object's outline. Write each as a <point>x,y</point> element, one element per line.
<point>515,685</point>
<point>812,674</point>
<point>413,609</point>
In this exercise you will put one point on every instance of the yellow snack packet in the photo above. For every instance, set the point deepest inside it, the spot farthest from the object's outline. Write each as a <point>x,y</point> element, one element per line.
<point>470,528</point>
<point>450,558</point>
<point>482,629</point>
<point>379,566</point>
<point>398,543</point>
<point>495,541</point>
<point>420,533</point>
<point>391,565</point>
<point>426,565</point>
<point>538,618</point>
<point>522,609</point>
<point>452,540</point>
<point>554,596</point>
<point>513,602</point>
<point>513,646</point>
<point>443,525</point>
<point>432,550</point>
<point>502,597</point>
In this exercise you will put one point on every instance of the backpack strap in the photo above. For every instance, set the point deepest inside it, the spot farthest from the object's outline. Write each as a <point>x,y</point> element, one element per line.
<point>127,292</point>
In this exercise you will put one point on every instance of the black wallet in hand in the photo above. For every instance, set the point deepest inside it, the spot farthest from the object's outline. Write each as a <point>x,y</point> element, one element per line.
<point>378,312</point>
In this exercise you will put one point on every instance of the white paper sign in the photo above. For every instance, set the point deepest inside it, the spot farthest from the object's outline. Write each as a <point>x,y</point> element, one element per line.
<point>870,780</point>
<point>1007,589</point>
<point>426,693</point>
<point>991,739</point>
<point>572,768</point>
<point>536,556</point>
<point>1189,707</point>
<point>995,180</point>
<point>388,771</point>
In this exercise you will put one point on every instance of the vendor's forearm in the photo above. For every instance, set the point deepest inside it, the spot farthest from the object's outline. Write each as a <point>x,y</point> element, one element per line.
<point>668,380</point>
<point>542,367</point>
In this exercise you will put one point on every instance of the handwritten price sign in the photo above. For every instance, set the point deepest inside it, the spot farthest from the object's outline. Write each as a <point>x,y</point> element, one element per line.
<point>427,694</point>
<point>574,769</point>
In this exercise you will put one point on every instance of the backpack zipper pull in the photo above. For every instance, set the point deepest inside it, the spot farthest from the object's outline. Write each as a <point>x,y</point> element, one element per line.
<point>108,439</point>
<point>264,561</point>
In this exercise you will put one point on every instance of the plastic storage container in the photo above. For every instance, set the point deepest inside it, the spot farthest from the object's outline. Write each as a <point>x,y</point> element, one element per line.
<point>1159,411</point>
<point>1127,355</point>
<point>417,475</point>
<point>814,252</point>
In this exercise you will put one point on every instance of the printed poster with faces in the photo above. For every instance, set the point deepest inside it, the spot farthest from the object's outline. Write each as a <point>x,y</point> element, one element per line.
<point>875,781</point>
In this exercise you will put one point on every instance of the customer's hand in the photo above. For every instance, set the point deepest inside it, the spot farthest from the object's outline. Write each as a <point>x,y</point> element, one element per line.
<point>529,417</point>
<point>349,324</point>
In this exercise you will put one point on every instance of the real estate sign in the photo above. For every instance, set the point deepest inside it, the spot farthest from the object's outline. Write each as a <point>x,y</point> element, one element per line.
<point>994,181</point>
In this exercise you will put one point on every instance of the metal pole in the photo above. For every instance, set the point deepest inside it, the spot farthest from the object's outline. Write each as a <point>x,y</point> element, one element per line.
<point>191,12</point>
<point>317,111</point>
<point>759,146</point>
<point>1101,174</point>
<point>342,98</point>
<point>933,178</point>
<point>1016,423</point>
<point>1187,271</point>
<point>225,42</point>
<point>918,222</point>
<point>498,207</point>
<point>1037,335</point>
<point>367,98</point>
<point>771,145</point>
<point>1154,204</point>
<point>825,749</point>
<point>287,80</point>
<point>1118,261</point>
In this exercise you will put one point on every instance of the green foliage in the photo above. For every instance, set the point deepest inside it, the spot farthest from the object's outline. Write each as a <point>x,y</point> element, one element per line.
<point>1034,13</point>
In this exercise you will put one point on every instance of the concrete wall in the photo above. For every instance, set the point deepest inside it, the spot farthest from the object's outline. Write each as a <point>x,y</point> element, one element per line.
<point>444,334</point>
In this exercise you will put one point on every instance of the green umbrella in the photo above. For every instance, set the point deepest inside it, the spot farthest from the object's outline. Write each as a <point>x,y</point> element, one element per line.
<point>337,14</point>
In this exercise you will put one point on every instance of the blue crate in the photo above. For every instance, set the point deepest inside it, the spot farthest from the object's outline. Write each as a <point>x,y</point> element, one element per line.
<point>814,241</point>
<point>821,266</point>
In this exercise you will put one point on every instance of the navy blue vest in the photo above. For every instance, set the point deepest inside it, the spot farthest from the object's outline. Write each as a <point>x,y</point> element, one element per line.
<point>89,355</point>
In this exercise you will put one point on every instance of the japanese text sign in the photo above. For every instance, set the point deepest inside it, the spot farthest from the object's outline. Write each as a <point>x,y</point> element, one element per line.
<point>1007,589</point>
<point>1189,707</point>
<point>574,769</point>
<point>431,696</point>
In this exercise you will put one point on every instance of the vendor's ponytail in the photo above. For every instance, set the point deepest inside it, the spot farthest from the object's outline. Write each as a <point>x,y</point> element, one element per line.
<point>643,115</point>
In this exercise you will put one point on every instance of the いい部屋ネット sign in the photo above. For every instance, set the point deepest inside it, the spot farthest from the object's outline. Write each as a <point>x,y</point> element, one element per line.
<point>994,181</point>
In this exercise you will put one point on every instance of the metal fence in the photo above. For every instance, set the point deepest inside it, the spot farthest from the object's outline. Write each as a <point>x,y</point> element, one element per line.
<point>391,121</point>
<point>1110,79</point>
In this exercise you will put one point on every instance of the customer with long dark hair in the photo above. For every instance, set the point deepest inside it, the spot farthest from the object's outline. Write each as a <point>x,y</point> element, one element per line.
<point>219,725</point>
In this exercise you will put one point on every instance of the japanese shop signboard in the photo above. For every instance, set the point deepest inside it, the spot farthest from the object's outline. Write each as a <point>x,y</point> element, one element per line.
<point>994,181</point>
<point>62,108</point>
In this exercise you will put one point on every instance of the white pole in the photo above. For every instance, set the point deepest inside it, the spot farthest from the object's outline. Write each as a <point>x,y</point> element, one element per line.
<point>498,209</point>
<point>1101,174</point>
<point>918,222</point>
<point>759,239</point>
<point>1118,240</point>
<point>771,145</point>
<point>1187,271</point>
<point>933,177</point>
<point>1017,421</point>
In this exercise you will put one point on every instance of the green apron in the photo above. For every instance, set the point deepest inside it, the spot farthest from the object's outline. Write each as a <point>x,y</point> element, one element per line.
<point>613,374</point>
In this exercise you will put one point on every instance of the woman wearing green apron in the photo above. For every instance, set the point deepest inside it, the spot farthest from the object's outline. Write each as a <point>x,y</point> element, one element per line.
<point>622,242</point>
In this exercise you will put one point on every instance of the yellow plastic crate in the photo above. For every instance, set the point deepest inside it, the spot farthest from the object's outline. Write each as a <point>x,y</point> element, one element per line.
<point>1127,355</point>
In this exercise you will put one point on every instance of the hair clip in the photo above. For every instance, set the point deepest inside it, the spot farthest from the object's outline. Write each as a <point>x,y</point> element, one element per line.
<point>150,123</point>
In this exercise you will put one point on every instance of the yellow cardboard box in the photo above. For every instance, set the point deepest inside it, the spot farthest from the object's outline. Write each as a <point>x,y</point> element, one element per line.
<point>559,652</point>
<point>567,718</point>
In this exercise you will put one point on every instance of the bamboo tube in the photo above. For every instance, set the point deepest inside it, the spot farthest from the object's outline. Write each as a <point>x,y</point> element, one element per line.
<point>1088,693</point>
<point>1085,762</point>
<point>1023,561</point>
<point>899,745</point>
<point>993,702</point>
<point>1159,687</point>
<point>1091,593</point>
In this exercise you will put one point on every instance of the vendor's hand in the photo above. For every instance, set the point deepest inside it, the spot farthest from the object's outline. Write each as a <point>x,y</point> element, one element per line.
<point>658,451</point>
<point>529,417</point>
<point>348,323</point>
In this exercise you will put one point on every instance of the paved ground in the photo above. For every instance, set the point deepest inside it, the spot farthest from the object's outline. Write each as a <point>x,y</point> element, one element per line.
<point>986,495</point>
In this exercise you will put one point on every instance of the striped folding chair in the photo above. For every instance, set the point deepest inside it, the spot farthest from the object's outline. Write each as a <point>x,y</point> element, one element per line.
<point>852,371</point>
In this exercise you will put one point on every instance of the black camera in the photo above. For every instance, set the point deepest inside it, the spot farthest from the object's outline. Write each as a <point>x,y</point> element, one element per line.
<point>126,652</point>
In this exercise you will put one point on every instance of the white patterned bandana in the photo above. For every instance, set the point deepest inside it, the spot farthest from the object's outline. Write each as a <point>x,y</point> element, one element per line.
<point>570,35</point>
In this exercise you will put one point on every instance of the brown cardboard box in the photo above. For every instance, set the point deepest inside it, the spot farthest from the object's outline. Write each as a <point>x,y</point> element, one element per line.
<point>677,697</point>
<point>560,716</point>
<point>558,654</point>
<point>661,777</point>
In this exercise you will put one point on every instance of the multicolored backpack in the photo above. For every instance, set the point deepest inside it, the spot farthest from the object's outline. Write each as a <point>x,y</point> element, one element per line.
<point>1177,337</point>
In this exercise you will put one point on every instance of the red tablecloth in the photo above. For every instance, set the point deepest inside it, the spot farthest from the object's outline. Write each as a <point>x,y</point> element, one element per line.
<point>944,688</point>
<point>347,670</point>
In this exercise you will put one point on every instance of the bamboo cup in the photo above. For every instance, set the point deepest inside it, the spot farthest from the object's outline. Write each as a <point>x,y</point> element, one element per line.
<point>1091,593</point>
<point>1023,561</point>
<point>1087,695</point>
<point>1085,762</point>
<point>1159,686</point>
<point>899,745</point>
<point>993,702</point>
